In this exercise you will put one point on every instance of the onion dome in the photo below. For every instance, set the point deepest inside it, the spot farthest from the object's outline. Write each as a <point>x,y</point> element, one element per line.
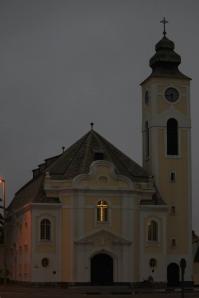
<point>165,62</point>
<point>165,56</point>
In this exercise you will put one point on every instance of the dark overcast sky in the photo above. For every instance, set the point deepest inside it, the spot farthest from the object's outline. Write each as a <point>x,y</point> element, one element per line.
<point>66,63</point>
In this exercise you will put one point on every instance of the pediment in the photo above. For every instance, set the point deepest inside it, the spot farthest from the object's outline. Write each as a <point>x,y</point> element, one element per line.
<point>102,175</point>
<point>103,238</point>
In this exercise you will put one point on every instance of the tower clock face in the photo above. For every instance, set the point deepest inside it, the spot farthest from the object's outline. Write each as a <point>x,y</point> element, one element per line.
<point>171,94</point>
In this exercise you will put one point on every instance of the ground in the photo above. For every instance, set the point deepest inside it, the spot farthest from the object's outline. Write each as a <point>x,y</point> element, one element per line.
<point>13,291</point>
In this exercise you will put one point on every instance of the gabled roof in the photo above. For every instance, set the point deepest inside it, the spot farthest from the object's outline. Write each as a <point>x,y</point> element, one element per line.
<point>74,161</point>
<point>103,234</point>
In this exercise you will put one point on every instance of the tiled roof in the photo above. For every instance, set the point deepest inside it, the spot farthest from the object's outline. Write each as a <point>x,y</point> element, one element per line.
<point>74,161</point>
<point>31,192</point>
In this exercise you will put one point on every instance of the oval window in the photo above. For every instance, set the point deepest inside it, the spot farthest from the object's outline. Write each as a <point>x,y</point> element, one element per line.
<point>45,262</point>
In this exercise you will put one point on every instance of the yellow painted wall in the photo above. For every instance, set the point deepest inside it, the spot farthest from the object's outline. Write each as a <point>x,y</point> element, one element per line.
<point>175,194</point>
<point>136,248</point>
<point>159,87</point>
<point>90,224</point>
<point>163,104</point>
<point>66,246</point>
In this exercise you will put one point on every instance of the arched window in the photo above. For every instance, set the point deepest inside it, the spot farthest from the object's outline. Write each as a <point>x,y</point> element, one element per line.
<point>45,229</point>
<point>153,231</point>
<point>172,137</point>
<point>102,211</point>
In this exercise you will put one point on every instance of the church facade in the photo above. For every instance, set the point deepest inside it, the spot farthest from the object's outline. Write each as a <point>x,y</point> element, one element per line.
<point>93,215</point>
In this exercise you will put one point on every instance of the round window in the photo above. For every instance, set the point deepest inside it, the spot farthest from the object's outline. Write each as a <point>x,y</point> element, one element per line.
<point>45,262</point>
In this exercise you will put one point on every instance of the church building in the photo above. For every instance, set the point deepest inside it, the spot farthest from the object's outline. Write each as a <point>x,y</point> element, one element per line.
<point>93,215</point>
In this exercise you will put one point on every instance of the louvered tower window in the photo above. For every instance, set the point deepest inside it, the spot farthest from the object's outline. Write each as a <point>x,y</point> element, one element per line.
<point>172,137</point>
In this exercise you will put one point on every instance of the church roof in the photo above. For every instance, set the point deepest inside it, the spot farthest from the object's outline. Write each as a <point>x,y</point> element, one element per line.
<point>74,161</point>
<point>78,158</point>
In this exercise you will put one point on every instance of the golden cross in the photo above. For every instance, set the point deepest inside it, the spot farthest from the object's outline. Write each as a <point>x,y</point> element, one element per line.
<point>164,22</point>
<point>102,205</point>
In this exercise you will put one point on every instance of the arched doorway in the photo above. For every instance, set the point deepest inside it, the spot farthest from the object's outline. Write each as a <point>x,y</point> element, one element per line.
<point>102,269</point>
<point>173,274</point>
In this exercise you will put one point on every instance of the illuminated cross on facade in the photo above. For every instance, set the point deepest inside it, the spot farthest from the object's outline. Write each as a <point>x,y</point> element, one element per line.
<point>102,211</point>
<point>164,22</point>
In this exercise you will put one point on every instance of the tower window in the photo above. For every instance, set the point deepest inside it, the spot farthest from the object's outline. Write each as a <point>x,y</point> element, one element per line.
<point>153,231</point>
<point>173,176</point>
<point>98,155</point>
<point>172,137</point>
<point>173,242</point>
<point>147,139</point>
<point>102,211</point>
<point>173,210</point>
<point>45,229</point>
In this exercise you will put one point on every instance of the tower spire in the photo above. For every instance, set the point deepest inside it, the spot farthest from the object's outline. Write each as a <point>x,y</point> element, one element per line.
<point>164,22</point>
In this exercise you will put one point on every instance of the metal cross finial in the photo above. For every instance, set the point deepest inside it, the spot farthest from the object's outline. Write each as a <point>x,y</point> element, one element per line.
<point>164,22</point>
<point>91,124</point>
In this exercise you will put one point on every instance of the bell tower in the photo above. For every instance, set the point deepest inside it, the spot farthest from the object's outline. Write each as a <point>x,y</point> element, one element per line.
<point>166,130</point>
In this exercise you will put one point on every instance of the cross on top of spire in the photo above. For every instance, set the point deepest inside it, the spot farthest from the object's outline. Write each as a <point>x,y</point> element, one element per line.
<point>164,22</point>
<point>91,124</point>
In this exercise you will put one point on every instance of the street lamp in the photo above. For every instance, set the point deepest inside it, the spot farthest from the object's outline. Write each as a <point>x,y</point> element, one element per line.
<point>3,182</point>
